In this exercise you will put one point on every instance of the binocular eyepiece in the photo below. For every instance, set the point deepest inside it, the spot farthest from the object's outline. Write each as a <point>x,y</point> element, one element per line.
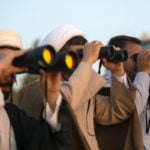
<point>46,58</point>
<point>112,55</point>
<point>109,53</point>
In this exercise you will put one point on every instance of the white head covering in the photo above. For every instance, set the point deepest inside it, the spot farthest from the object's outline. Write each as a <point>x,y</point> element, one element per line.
<point>59,36</point>
<point>8,38</point>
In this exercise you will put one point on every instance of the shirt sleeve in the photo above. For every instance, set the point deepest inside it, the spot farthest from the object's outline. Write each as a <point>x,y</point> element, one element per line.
<point>142,83</point>
<point>52,117</point>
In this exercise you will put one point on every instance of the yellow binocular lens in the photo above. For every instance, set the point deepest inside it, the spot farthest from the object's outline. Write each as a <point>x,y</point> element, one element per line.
<point>70,62</point>
<point>47,56</point>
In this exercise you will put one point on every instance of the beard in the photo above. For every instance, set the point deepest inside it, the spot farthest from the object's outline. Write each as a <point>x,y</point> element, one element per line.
<point>6,89</point>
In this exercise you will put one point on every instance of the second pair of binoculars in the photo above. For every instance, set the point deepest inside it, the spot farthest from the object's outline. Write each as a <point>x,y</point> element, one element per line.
<point>110,54</point>
<point>46,58</point>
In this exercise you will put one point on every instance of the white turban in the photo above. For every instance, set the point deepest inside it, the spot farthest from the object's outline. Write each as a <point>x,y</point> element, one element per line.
<point>59,36</point>
<point>11,39</point>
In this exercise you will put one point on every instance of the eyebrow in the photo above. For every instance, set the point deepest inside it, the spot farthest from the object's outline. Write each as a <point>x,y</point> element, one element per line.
<point>10,47</point>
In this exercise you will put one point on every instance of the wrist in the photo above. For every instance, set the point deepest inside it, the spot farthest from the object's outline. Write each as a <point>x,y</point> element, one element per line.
<point>88,61</point>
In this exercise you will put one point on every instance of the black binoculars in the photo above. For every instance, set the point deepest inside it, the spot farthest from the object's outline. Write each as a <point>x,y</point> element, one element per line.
<point>65,61</point>
<point>109,54</point>
<point>46,58</point>
<point>112,55</point>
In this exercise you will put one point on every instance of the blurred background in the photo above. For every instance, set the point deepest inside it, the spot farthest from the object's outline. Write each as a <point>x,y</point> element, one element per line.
<point>99,19</point>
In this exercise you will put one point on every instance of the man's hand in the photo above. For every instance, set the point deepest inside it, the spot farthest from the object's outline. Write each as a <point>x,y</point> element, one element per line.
<point>6,58</point>
<point>91,52</point>
<point>143,61</point>
<point>116,68</point>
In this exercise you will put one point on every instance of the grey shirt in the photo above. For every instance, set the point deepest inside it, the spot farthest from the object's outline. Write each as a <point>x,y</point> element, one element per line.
<point>142,82</point>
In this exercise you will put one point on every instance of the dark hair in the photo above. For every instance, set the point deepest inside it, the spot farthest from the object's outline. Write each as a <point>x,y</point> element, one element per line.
<point>122,40</point>
<point>77,40</point>
<point>10,47</point>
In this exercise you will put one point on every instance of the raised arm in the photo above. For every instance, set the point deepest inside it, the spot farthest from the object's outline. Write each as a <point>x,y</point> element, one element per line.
<point>84,82</point>
<point>119,103</point>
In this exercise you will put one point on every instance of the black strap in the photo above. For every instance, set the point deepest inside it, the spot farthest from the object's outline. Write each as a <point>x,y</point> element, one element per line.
<point>99,67</point>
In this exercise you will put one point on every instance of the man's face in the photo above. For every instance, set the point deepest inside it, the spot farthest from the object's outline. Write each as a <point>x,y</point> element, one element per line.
<point>130,64</point>
<point>6,82</point>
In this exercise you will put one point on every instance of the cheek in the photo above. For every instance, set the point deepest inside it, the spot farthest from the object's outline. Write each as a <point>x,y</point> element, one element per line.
<point>130,66</point>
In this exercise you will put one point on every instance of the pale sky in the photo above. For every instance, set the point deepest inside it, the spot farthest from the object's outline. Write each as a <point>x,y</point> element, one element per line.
<point>99,19</point>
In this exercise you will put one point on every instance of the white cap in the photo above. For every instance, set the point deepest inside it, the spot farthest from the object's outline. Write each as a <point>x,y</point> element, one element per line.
<point>59,36</point>
<point>8,38</point>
